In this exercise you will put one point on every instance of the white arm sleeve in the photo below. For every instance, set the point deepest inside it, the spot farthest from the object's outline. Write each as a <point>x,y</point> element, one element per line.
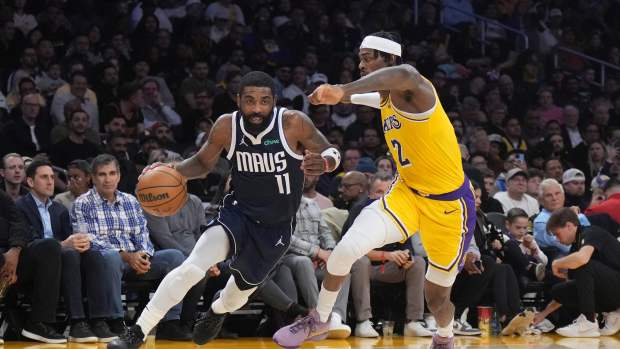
<point>371,99</point>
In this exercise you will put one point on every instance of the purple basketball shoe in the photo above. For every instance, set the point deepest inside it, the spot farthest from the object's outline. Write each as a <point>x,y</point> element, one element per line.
<point>442,342</point>
<point>309,328</point>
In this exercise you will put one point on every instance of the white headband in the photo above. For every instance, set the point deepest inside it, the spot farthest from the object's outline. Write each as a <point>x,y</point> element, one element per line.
<point>382,44</point>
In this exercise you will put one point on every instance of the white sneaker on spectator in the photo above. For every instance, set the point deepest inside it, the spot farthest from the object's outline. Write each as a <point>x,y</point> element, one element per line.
<point>581,327</point>
<point>416,329</point>
<point>365,330</point>
<point>545,326</point>
<point>431,324</point>
<point>336,328</point>
<point>612,323</point>
<point>463,328</point>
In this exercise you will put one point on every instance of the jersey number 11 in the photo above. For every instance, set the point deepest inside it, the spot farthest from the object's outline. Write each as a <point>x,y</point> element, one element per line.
<point>284,184</point>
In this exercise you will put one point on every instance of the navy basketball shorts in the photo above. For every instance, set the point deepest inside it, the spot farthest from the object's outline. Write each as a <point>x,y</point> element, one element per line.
<point>256,247</point>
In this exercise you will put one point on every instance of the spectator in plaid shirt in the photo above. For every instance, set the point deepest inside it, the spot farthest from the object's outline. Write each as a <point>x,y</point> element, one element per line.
<point>117,227</point>
<point>311,245</point>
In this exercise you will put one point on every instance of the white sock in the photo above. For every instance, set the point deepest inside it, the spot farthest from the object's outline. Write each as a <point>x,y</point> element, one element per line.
<point>326,302</point>
<point>149,318</point>
<point>231,298</point>
<point>218,307</point>
<point>446,331</point>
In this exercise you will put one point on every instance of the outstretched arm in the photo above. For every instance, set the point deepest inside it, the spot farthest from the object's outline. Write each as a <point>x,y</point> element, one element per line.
<point>403,77</point>
<point>199,165</point>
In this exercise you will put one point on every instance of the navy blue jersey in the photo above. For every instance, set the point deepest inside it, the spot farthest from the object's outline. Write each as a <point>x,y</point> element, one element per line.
<point>266,178</point>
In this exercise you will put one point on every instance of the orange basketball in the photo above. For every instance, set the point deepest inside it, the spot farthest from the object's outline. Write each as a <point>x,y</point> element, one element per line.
<point>161,191</point>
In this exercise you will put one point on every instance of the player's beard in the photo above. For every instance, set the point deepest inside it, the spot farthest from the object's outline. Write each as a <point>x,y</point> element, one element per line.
<point>256,128</point>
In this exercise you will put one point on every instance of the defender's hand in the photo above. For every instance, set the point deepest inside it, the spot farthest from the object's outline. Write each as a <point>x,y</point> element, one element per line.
<point>326,94</point>
<point>313,164</point>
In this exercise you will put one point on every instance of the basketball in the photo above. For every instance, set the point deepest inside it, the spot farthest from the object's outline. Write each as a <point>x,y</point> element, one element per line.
<point>161,191</point>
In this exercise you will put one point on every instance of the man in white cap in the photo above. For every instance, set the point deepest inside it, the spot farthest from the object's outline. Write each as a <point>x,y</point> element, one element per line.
<point>431,195</point>
<point>515,194</point>
<point>574,183</point>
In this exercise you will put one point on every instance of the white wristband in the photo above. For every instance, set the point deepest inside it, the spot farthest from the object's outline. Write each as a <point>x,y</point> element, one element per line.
<point>372,99</point>
<point>334,154</point>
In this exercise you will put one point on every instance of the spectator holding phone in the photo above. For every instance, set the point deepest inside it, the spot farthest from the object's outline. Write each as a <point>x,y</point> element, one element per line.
<point>483,269</point>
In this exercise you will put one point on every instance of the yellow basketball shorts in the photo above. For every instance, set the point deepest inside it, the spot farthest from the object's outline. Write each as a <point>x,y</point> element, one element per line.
<point>445,222</point>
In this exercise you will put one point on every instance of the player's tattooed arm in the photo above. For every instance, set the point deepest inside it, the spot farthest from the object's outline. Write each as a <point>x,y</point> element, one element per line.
<point>300,130</point>
<point>409,91</point>
<point>402,77</point>
<point>402,80</point>
<point>199,165</point>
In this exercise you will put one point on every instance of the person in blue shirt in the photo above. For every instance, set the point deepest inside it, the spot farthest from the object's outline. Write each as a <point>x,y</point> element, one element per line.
<point>552,198</point>
<point>116,226</point>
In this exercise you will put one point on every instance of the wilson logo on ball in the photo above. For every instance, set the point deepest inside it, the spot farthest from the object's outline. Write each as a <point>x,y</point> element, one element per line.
<point>150,197</point>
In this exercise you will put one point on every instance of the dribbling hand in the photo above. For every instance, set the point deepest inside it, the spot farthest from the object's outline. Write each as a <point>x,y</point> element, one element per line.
<point>152,166</point>
<point>326,94</point>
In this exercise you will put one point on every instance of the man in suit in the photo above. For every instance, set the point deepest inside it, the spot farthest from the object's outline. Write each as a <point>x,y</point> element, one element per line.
<point>50,220</point>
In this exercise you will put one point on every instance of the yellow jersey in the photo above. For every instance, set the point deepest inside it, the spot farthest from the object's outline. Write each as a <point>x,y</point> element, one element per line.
<point>424,148</point>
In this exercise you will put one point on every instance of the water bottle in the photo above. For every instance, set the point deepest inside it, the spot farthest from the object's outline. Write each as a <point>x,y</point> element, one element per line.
<point>496,327</point>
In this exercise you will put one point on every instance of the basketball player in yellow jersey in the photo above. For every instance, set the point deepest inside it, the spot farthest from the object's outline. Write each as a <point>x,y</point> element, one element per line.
<point>431,194</point>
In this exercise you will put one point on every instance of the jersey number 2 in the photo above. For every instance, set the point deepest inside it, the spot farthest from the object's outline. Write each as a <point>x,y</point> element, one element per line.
<point>284,184</point>
<point>399,149</point>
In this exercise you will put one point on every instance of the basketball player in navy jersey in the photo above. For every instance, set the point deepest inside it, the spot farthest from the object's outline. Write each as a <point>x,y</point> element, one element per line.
<point>270,149</point>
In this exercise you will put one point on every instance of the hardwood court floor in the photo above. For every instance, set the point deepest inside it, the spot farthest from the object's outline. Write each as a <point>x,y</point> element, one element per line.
<point>528,342</point>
